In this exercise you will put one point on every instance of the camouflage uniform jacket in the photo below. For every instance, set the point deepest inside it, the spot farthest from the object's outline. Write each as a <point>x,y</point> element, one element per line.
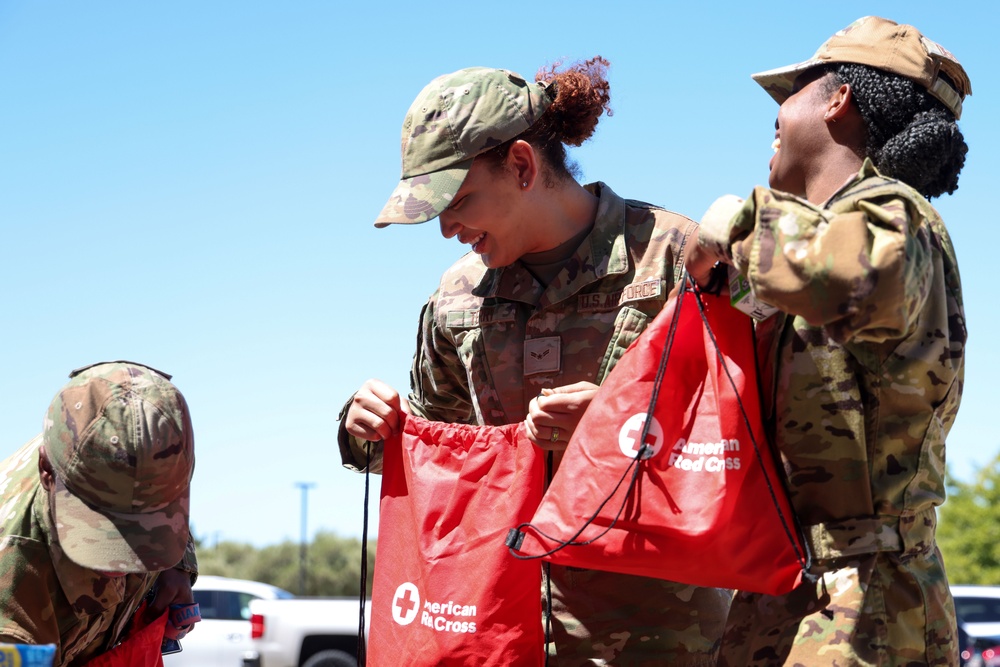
<point>46,598</point>
<point>491,339</point>
<point>863,373</point>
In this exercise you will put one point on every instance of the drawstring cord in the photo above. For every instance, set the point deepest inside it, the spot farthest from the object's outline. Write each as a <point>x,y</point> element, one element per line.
<point>516,535</point>
<point>362,641</point>
<point>547,572</point>
<point>805,560</point>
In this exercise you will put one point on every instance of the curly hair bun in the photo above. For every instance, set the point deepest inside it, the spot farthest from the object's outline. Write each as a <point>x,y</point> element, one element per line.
<point>583,94</point>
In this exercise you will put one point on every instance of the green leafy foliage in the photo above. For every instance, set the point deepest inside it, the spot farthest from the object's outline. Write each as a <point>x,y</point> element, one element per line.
<point>969,527</point>
<point>332,564</point>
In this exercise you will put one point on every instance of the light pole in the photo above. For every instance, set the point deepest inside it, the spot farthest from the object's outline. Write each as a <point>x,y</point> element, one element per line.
<point>304,486</point>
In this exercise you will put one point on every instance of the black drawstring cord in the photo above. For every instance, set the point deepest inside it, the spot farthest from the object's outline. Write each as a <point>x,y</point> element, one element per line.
<point>515,536</point>
<point>548,609</point>
<point>776,455</point>
<point>362,641</point>
<point>805,560</point>
<point>547,570</point>
<point>671,333</point>
<point>515,533</point>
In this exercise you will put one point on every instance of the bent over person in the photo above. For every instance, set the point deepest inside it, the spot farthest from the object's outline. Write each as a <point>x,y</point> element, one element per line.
<point>560,279</point>
<point>95,513</point>
<point>863,363</point>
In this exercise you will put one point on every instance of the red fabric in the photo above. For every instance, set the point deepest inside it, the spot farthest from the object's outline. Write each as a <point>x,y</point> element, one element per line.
<point>140,649</point>
<point>450,493</point>
<point>714,524</point>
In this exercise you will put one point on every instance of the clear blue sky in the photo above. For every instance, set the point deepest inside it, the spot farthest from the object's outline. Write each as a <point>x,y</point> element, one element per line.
<point>192,185</point>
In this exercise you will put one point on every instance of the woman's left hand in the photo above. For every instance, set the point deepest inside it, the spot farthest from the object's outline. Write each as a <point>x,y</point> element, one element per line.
<point>173,586</point>
<point>554,414</point>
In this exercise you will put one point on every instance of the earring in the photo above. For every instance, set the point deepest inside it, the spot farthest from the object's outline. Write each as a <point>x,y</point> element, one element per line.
<point>525,184</point>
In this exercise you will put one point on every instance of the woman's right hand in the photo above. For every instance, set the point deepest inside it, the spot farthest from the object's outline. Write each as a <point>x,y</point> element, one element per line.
<point>698,261</point>
<point>700,258</point>
<point>374,412</point>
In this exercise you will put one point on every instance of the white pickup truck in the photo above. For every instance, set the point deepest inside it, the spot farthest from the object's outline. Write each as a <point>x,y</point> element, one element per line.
<point>303,632</point>
<point>222,637</point>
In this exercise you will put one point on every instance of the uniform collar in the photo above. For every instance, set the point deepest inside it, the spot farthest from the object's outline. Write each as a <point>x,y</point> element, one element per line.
<point>868,170</point>
<point>601,253</point>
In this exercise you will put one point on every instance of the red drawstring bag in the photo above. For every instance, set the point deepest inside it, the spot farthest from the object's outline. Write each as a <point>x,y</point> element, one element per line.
<point>700,504</point>
<point>445,591</point>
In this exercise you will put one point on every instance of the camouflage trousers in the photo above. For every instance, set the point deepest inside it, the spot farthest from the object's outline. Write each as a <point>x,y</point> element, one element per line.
<point>602,618</point>
<point>876,609</point>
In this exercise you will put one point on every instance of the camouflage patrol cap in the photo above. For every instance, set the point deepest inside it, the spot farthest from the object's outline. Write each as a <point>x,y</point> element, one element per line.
<point>456,117</point>
<point>119,439</point>
<point>886,45</point>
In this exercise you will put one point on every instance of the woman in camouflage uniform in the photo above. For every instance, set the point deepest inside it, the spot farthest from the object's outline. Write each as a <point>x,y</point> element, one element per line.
<point>561,279</point>
<point>863,365</point>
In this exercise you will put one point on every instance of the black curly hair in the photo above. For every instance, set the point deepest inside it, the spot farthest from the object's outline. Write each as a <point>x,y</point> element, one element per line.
<point>911,135</point>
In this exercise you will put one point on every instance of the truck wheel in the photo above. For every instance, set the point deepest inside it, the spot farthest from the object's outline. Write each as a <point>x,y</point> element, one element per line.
<point>331,659</point>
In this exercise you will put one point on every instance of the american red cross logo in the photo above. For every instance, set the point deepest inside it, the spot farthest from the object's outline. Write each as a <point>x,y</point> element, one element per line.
<point>405,603</point>
<point>634,435</point>
<point>630,432</point>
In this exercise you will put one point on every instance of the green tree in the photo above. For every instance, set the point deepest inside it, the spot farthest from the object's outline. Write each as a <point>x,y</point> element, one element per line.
<point>278,564</point>
<point>969,527</point>
<point>333,564</point>
<point>230,559</point>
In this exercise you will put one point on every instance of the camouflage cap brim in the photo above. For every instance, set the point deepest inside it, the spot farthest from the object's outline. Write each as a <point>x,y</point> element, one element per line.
<point>779,82</point>
<point>892,47</point>
<point>421,198</point>
<point>116,541</point>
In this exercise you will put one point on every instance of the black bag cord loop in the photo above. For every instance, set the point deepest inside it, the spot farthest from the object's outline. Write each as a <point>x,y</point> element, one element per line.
<point>571,542</point>
<point>362,651</point>
<point>805,560</point>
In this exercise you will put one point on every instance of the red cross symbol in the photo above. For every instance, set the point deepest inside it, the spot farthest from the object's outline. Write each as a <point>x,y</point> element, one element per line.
<point>634,434</point>
<point>405,603</point>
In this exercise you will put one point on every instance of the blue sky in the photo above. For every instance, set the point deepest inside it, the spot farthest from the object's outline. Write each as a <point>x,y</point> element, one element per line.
<point>192,185</point>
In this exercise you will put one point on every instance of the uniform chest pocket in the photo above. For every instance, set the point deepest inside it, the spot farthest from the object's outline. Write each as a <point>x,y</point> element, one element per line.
<point>484,341</point>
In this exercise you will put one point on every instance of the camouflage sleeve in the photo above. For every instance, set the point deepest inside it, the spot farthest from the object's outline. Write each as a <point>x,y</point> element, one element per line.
<point>353,450</point>
<point>863,274</point>
<point>189,561</point>
<point>26,578</point>
<point>439,385</point>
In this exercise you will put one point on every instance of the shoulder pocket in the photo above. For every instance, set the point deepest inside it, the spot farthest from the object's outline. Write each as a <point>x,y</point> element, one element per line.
<point>628,325</point>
